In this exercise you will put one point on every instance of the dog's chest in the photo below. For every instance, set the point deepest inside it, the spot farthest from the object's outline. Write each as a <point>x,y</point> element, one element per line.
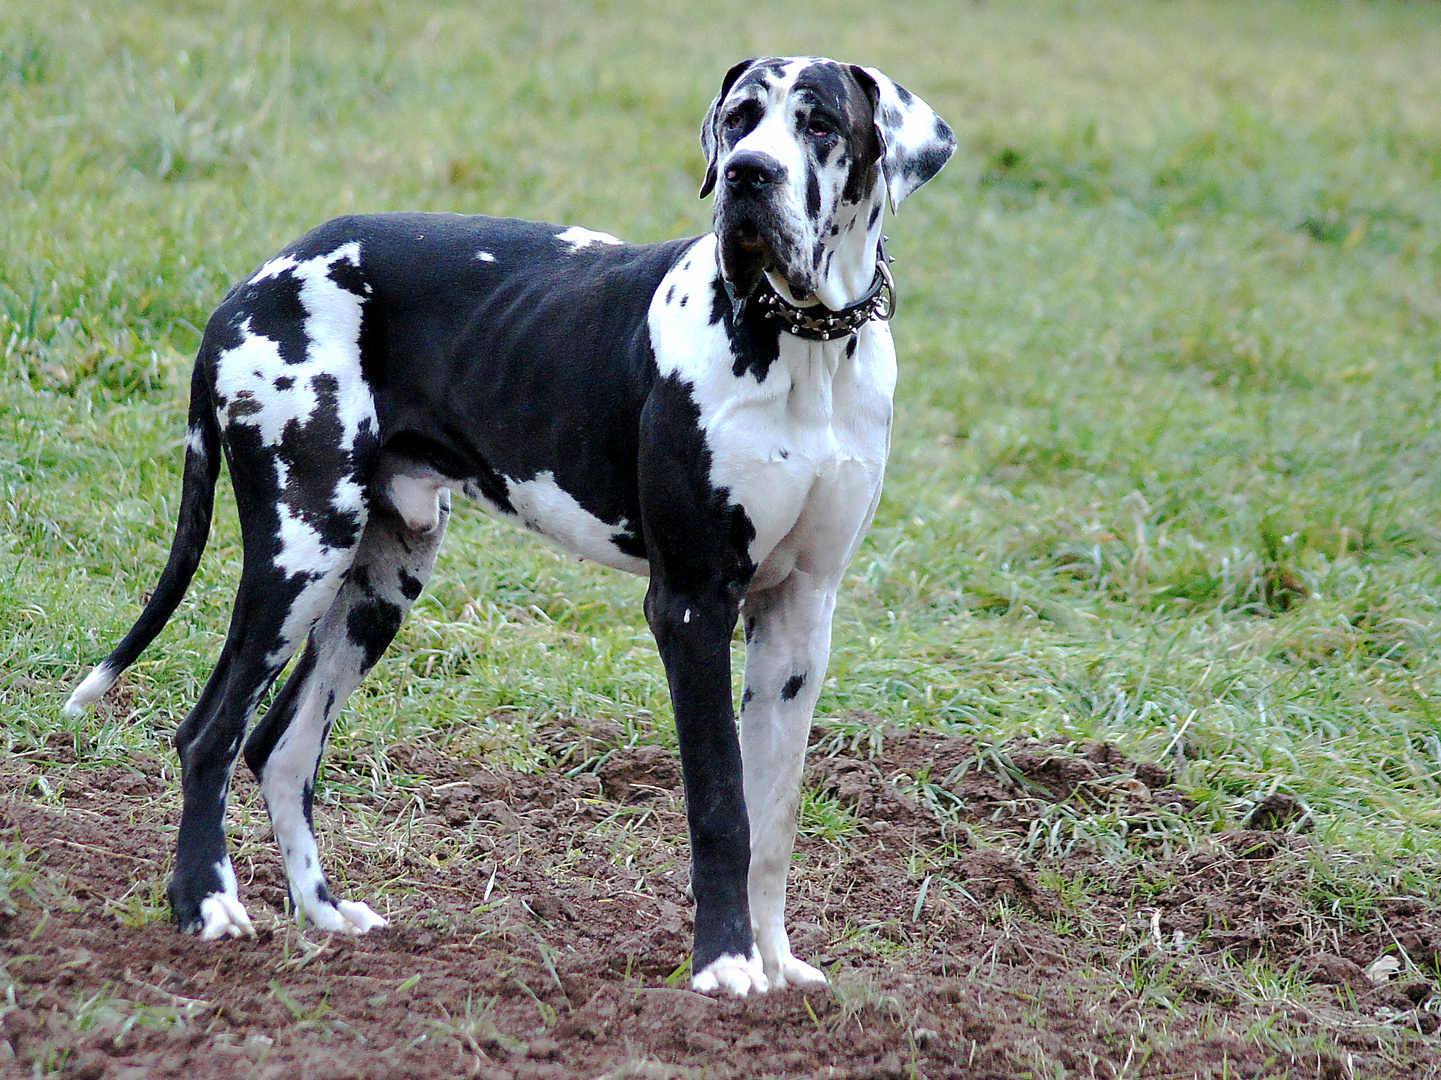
<point>800,446</point>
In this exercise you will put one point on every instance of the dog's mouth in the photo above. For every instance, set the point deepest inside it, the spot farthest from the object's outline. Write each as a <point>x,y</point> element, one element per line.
<point>746,236</point>
<point>749,247</point>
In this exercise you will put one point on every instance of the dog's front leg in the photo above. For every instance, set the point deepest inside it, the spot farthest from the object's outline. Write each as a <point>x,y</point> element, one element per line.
<point>700,567</point>
<point>693,632</point>
<point>788,635</point>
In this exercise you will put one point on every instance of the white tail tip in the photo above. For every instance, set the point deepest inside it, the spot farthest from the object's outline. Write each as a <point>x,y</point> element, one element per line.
<point>91,690</point>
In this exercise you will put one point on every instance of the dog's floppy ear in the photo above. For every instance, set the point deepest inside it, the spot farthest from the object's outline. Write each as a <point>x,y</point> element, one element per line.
<point>709,135</point>
<point>915,142</point>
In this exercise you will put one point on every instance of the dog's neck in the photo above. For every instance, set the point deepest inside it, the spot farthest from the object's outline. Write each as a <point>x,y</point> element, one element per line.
<point>848,261</point>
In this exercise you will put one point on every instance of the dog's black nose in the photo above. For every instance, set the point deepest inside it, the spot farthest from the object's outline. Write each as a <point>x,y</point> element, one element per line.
<point>751,173</point>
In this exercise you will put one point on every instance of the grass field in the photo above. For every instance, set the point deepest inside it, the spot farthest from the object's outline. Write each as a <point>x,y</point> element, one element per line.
<point>1165,467</point>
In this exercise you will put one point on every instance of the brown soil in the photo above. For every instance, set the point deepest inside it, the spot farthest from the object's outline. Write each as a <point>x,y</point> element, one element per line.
<point>972,924</point>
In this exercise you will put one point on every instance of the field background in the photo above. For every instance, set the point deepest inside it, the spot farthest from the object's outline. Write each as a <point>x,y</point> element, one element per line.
<point>1165,467</point>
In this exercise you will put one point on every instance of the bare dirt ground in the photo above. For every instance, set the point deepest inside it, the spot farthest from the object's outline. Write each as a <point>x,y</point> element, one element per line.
<point>539,928</point>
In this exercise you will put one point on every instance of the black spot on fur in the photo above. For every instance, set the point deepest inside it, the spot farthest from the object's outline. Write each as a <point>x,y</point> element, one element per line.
<point>928,162</point>
<point>285,382</point>
<point>875,216</point>
<point>372,626</point>
<point>851,348</point>
<point>750,628</point>
<point>792,687</point>
<point>349,277</point>
<point>244,404</point>
<point>410,585</point>
<point>747,697</point>
<point>317,464</point>
<point>755,341</point>
<point>813,194</point>
<point>762,74</point>
<point>274,311</point>
<point>670,295</point>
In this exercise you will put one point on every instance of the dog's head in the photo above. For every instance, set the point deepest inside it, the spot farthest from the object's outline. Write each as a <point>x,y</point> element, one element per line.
<point>802,152</point>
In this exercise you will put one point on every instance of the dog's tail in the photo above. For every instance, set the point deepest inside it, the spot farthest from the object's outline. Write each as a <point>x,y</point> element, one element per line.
<point>192,530</point>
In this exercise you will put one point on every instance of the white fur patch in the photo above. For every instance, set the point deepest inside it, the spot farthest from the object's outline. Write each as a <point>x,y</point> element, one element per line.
<point>355,918</point>
<point>274,268</point>
<point>249,371</point>
<point>579,238</point>
<point>100,680</point>
<point>301,549</point>
<point>222,915</point>
<point>547,508</point>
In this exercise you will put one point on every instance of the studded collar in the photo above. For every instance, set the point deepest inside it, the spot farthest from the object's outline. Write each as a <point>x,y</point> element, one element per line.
<point>820,323</point>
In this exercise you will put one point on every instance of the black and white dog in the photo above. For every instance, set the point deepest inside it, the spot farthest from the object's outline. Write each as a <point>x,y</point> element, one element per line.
<point>712,412</point>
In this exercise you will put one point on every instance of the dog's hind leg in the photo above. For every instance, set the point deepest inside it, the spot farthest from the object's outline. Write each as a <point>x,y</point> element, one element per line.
<point>302,502</point>
<point>788,633</point>
<point>390,569</point>
<point>261,641</point>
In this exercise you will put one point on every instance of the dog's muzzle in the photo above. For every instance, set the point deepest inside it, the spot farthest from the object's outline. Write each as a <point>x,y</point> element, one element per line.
<point>753,238</point>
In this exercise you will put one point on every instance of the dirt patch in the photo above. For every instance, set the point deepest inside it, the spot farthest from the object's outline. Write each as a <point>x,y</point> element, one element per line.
<point>976,921</point>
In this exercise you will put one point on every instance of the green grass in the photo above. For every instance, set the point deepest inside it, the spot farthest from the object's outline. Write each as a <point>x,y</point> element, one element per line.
<point>1165,460</point>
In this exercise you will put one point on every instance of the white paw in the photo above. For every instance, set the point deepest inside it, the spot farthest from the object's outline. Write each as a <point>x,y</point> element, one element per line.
<point>343,917</point>
<point>222,916</point>
<point>733,973</point>
<point>359,916</point>
<point>788,971</point>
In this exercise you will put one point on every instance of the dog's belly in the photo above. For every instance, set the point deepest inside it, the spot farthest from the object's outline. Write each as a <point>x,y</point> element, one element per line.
<point>540,504</point>
<point>546,508</point>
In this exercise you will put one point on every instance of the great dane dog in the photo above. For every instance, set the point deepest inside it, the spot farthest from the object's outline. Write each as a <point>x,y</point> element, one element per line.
<point>712,412</point>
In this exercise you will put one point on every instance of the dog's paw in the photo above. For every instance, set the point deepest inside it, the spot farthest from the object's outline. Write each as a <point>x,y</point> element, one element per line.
<point>789,971</point>
<point>343,917</point>
<point>223,916</point>
<point>360,916</point>
<point>733,973</point>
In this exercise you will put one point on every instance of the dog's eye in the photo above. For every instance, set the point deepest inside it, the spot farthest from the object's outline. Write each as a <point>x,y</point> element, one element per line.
<point>819,127</point>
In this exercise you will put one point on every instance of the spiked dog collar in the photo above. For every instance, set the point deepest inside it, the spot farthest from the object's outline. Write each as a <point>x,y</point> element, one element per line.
<point>820,323</point>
